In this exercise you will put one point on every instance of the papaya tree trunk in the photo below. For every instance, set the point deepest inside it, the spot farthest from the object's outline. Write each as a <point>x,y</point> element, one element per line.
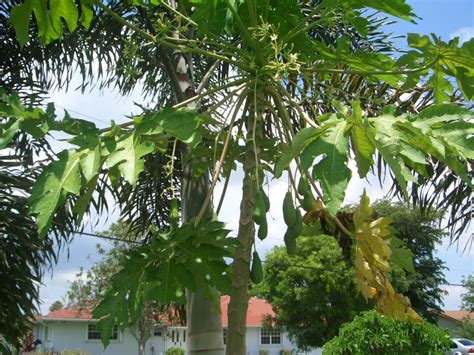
<point>237,310</point>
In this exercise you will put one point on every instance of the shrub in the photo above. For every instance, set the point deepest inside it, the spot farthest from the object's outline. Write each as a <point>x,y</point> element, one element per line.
<point>373,333</point>
<point>175,351</point>
<point>74,352</point>
<point>285,352</point>
<point>264,352</point>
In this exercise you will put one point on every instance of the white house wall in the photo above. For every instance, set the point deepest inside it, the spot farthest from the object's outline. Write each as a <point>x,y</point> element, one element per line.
<point>254,346</point>
<point>73,335</point>
<point>66,335</point>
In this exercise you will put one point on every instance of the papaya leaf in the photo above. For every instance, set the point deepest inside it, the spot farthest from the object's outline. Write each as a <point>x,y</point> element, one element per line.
<point>82,203</point>
<point>49,17</point>
<point>397,8</point>
<point>361,144</point>
<point>332,171</point>
<point>20,20</point>
<point>300,141</point>
<point>52,186</point>
<point>128,156</point>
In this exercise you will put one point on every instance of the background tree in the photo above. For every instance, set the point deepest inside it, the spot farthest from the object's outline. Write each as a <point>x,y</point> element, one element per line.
<point>467,303</point>
<point>318,282</point>
<point>421,234</point>
<point>467,298</point>
<point>55,306</point>
<point>373,333</point>
<point>312,292</point>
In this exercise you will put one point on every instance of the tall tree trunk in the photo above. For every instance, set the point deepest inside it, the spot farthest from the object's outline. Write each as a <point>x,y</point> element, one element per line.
<point>203,315</point>
<point>204,320</point>
<point>141,348</point>
<point>237,311</point>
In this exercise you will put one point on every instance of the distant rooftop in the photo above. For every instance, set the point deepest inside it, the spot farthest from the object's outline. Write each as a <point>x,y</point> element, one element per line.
<point>257,311</point>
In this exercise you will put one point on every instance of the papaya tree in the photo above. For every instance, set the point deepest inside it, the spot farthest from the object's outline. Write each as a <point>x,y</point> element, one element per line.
<point>266,113</point>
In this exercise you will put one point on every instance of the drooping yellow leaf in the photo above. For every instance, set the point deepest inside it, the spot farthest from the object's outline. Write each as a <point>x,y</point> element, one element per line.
<point>373,263</point>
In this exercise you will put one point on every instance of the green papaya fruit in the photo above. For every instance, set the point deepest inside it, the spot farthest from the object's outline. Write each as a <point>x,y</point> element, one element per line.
<point>174,213</point>
<point>266,200</point>
<point>290,241</point>
<point>303,186</point>
<point>256,271</point>
<point>298,226</point>
<point>308,201</point>
<point>259,209</point>
<point>263,229</point>
<point>289,212</point>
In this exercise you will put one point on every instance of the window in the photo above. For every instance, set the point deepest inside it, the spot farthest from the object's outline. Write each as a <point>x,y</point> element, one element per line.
<point>157,331</point>
<point>93,333</point>
<point>184,335</point>
<point>224,335</point>
<point>270,336</point>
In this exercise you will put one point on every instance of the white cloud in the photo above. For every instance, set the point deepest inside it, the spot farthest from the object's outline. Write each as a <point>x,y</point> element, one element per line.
<point>452,301</point>
<point>464,34</point>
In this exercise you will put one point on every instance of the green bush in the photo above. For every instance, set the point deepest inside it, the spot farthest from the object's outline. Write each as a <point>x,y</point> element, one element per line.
<point>373,333</point>
<point>264,352</point>
<point>74,352</point>
<point>175,351</point>
<point>285,352</point>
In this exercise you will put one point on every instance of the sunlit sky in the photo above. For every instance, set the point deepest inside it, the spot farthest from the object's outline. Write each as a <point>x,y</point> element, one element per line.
<point>446,18</point>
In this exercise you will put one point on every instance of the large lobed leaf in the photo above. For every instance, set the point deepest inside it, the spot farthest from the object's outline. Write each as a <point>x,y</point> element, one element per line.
<point>184,258</point>
<point>76,171</point>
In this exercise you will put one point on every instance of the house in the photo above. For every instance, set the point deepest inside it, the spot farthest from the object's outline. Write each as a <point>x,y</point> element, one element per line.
<point>451,320</point>
<point>73,328</point>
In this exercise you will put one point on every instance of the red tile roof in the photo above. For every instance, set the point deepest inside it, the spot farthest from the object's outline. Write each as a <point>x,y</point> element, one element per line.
<point>459,315</point>
<point>258,309</point>
<point>70,313</point>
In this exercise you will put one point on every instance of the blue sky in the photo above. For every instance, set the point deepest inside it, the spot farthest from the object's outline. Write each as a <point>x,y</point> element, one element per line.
<point>443,17</point>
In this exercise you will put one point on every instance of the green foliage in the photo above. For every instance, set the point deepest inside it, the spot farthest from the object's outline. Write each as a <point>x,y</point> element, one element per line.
<point>332,171</point>
<point>291,284</point>
<point>56,305</point>
<point>417,233</point>
<point>24,255</point>
<point>450,59</point>
<point>415,273</point>
<point>372,333</point>
<point>467,297</point>
<point>466,330</point>
<point>174,351</point>
<point>49,18</point>
<point>121,150</point>
<point>405,143</point>
<point>189,257</point>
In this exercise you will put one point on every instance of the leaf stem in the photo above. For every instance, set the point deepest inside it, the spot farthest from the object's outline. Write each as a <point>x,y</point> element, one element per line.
<point>219,164</point>
<point>164,43</point>
<point>186,102</point>
<point>371,72</point>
